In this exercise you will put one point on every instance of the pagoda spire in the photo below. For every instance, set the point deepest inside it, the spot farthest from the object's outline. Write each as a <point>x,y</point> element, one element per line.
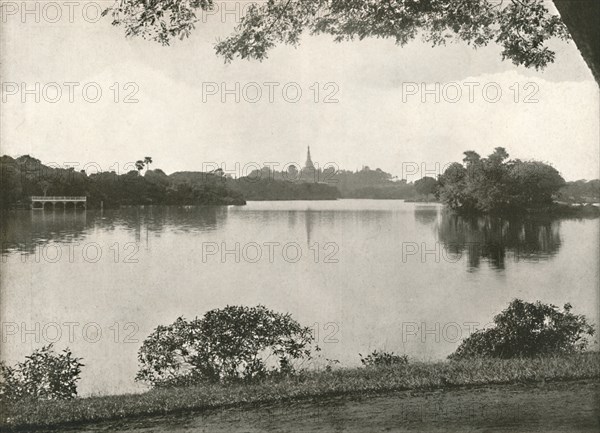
<point>309,164</point>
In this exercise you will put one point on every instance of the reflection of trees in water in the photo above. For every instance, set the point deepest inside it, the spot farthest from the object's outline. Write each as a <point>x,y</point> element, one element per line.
<point>326,220</point>
<point>22,231</point>
<point>426,215</point>
<point>168,218</point>
<point>496,239</point>
<point>320,220</point>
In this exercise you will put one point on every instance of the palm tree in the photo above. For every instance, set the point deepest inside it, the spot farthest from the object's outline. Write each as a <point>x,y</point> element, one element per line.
<point>148,161</point>
<point>140,166</point>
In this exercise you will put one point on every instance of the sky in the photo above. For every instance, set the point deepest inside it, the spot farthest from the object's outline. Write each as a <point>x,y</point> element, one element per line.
<point>381,108</point>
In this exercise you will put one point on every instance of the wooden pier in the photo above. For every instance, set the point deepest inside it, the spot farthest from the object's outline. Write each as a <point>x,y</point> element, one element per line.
<point>64,200</point>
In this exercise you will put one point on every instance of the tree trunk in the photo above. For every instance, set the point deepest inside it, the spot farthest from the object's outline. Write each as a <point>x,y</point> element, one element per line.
<point>582,17</point>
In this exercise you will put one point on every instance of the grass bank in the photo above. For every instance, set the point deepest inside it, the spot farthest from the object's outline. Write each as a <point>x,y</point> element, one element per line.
<point>415,376</point>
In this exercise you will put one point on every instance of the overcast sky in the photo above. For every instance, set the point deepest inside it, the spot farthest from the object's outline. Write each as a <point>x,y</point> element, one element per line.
<point>379,119</point>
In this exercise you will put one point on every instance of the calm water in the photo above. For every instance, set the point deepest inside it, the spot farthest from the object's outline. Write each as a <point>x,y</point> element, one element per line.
<point>366,274</point>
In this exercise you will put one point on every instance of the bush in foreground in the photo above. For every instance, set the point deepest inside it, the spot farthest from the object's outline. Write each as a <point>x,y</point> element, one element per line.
<point>229,344</point>
<point>383,359</point>
<point>527,329</point>
<point>44,375</point>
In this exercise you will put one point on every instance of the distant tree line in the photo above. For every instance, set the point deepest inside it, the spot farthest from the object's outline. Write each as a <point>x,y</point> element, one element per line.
<point>26,176</point>
<point>373,184</point>
<point>312,184</point>
<point>581,191</point>
<point>477,185</point>
<point>328,183</point>
<point>266,189</point>
<point>262,185</point>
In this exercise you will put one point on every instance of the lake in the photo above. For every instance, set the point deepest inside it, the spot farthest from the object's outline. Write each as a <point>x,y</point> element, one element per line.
<point>366,274</point>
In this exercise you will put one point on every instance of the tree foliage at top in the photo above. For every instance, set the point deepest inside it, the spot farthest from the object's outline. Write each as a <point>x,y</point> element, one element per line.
<point>496,184</point>
<point>521,27</point>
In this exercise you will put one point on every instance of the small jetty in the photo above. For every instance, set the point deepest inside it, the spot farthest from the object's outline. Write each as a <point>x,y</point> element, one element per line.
<point>40,202</point>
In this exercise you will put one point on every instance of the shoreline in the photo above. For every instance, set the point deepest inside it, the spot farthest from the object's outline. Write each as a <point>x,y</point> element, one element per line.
<point>531,408</point>
<point>417,377</point>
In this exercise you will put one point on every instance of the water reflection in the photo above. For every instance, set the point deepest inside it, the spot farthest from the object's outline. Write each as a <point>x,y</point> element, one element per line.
<point>23,231</point>
<point>496,239</point>
<point>351,273</point>
<point>426,215</point>
<point>310,222</point>
<point>490,239</point>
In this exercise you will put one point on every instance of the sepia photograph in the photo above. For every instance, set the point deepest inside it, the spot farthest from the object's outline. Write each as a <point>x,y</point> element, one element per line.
<point>299,216</point>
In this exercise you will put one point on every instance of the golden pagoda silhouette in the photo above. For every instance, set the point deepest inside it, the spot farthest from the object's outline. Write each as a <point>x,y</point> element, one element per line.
<point>308,165</point>
<point>308,173</point>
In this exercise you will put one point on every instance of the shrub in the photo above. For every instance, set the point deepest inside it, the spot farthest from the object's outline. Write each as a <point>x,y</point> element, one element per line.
<point>528,329</point>
<point>43,375</point>
<point>383,359</point>
<point>233,343</point>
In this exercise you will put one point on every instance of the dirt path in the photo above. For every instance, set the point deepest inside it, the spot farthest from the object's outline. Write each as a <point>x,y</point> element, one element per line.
<point>559,407</point>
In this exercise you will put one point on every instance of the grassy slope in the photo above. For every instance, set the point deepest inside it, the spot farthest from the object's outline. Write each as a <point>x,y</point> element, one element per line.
<point>415,376</point>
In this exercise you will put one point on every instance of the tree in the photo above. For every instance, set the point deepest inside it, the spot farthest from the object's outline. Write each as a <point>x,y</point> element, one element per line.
<point>582,18</point>
<point>534,183</point>
<point>499,156</point>
<point>489,184</point>
<point>426,185</point>
<point>581,191</point>
<point>232,343</point>
<point>471,157</point>
<point>25,176</point>
<point>292,173</point>
<point>495,184</point>
<point>45,185</point>
<point>521,27</point>
<point>452,187</point>
<point>148,161</point>
<point>139,165</point>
